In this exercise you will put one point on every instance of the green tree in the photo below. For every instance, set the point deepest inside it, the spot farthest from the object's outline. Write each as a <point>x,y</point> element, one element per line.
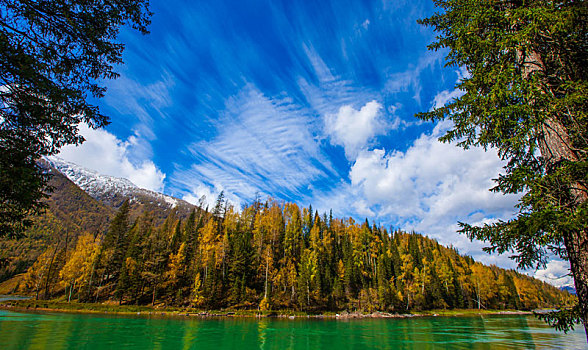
<point>307,279</point>
<point>240,270</point>
<point>52,56</point>
<point>116,241</point>
<point>526,95</point>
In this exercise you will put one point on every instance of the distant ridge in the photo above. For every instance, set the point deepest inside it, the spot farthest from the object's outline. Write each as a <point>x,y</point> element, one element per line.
<point>113,191</point>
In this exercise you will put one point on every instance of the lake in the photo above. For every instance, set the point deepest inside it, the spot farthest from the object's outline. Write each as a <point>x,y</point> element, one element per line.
<point>90,331</point>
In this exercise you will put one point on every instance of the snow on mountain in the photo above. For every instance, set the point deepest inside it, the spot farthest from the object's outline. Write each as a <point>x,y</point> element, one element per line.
<point>102,187</point>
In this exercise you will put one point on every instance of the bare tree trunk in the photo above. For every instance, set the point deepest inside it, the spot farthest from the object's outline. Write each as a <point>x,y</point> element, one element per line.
<point>478,293</point>
<point>98,289</point>
<point>266,271</point>
<point>71,287</point>
<point>407,300</point>
<point>49,271</point>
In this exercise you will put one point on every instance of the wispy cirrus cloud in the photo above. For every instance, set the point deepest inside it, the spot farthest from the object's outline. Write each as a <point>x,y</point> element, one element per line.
<point>144,102</point>
<point>449,95</point>
<point>410,79</point>
<point>263,145</point>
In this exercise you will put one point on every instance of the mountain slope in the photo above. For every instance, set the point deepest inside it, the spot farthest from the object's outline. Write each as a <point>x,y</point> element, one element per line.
<point>70,212</point>
<point>81,201</point>
<point>113,191</point>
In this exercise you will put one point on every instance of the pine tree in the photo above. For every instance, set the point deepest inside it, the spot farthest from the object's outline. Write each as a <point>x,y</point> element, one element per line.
<point>526,94</point>
<point>114,245</point>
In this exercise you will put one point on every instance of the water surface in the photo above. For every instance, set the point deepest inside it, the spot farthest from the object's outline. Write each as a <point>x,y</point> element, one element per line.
<point>83,331</point>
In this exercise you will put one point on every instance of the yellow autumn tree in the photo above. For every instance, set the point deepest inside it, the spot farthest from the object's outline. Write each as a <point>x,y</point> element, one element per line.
<point>197,298</point>
<point>208,245</point>
<point>176,267</point>
<point>76,271</point>
<point>484,283</point>
<point>33,279</point>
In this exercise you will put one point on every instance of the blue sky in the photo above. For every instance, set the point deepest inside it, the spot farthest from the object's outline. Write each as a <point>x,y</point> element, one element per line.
<point>303,101</point>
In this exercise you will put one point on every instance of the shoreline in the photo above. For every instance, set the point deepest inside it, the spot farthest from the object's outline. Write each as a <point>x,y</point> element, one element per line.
<point>42,306</point>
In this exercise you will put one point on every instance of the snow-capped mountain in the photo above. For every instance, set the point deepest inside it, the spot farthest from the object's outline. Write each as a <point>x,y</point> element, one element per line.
<point>113,191</point>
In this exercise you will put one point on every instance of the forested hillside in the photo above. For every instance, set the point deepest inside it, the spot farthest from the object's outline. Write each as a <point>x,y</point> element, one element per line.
<point>70,212</point>
<point>274,255</point>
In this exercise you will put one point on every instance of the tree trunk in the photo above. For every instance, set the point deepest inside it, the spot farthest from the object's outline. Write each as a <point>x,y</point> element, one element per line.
<point>98,289</point>
<point>266,271</point>
<point>407,300</point>
<point>49,272</point>
<point>556,146</point>
<point>478,293</point>
<point>73,288</point>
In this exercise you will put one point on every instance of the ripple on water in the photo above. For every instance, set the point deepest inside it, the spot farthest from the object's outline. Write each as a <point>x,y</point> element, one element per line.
<point>76,331</point>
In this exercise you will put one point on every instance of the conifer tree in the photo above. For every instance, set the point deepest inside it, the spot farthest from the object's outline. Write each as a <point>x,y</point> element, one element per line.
<point>115,243</point>
<point>526,94</point>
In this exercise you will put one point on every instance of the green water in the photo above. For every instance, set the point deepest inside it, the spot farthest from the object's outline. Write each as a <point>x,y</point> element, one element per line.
<point>79,331</point>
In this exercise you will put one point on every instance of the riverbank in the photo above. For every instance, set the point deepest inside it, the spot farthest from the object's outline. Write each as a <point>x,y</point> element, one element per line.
<point>148,311</point>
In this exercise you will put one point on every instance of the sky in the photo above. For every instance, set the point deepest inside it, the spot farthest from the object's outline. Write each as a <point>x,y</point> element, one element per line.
<point>310,102</point>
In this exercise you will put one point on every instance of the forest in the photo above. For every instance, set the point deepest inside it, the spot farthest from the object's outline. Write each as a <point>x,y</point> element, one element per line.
<point>273,256</point>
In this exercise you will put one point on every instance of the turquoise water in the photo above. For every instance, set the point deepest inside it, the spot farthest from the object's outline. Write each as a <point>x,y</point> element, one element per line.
<point>81,331</point>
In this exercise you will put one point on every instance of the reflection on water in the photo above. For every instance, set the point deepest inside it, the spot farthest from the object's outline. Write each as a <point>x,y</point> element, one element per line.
<point>12,297</point>
<point>67,331</point>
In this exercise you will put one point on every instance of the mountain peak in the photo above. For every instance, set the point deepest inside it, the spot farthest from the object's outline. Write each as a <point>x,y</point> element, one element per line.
<point>111,190</point>
<point>90,180</point>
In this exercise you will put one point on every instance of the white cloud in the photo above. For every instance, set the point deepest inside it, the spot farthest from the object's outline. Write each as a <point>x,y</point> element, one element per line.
<point>429,188</point>
<point>432,178</point>
<point>353,129</point>
<point>201,194</point>
<point>365,24</point>
<point>264,146</point>
<point>557,273</point>
<point>445,96</point>
<point>106,154</point>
